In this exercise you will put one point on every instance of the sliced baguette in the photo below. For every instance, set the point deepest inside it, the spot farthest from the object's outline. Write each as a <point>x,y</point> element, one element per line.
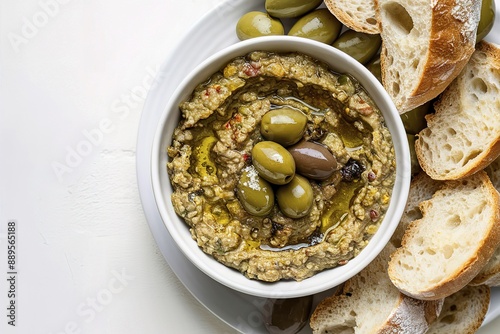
<point>357,15</point>
<point>493,171</point>
<point>425,46</point>
<point>490,274</point>
<point>463,312</point>
<point>445,249</point>
<point>369,303</point>
<point>422,188</point>
<point>463,135</point>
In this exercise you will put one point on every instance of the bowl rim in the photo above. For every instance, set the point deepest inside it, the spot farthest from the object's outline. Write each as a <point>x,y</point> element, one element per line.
<point>325,279</point>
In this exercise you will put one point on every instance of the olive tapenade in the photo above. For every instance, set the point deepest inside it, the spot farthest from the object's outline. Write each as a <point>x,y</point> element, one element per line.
<point>280,167</point>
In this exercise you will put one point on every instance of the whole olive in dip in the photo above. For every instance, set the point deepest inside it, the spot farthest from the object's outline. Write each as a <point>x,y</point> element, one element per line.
<point>254,193</point>
<point>273,162</point>
<point>295,199</point>
<point>313,160</point>
<point>285,125</point>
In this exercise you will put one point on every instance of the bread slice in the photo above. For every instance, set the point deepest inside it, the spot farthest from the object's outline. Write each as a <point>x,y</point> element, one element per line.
<point>490,274</point>
<point>463,312</point>
<point>369,303</point>
<point>425,45</point>
<point>358,15</point>
<point>445,249</point>
<point>463,135</point>
<point>422,188</point>
<point>493,171</point>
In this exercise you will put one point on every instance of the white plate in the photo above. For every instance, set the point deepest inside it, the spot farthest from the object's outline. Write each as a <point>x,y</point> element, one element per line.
<point>212,33</point>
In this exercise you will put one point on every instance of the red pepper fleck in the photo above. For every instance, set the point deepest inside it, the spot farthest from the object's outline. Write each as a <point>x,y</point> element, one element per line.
<point>237,118</point>
<point>372,176</point>
<point>207,92</point>
<point>218,89</point>
<point>374,215</point>
<point>251,70</point>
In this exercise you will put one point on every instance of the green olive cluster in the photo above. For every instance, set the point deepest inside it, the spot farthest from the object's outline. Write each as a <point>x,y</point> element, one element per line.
<point>311,22</point>
<point>282,163</point>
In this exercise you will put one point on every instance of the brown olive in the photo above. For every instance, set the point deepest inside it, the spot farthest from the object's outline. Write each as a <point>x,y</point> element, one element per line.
<point>287,316</point>
<point>313,160</point>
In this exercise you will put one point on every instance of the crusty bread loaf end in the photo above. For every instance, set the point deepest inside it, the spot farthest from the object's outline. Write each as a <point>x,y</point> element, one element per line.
<point>425,46</point>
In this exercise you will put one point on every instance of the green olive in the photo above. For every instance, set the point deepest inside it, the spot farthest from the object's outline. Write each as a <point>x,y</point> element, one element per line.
<point>414,120</point>
<point>374,67</point>
<point>487,19</point>
<point>285,125</point>
<point>295,199</point>
<point>290,8</point>
<point>255,24</point>
<point>358,45</point>
<point>273,162</point>
<point>320,25</point>
<point>255,194</point>
<point>346,84</point>
<point>415,166</point>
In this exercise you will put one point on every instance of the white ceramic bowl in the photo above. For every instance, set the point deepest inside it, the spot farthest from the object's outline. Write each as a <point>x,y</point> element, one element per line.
<point>179,231</point>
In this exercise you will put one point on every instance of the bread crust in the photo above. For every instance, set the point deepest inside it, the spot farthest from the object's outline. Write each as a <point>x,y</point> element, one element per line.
<point>484,159</point>
<point>491,150</point>
<point>468,269</point>
<point>399,314</point>
<point>490,274</point>
<point>463,312</point>
<point>412,316</point>
<point>348,20</point>
<point>409,315</point>
<point>451,43</point>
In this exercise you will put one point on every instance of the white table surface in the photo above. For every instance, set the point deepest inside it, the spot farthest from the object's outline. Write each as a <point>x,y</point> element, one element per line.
<point>73,79</point>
